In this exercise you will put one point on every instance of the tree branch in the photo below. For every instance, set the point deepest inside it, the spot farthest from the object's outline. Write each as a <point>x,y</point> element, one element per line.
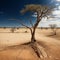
<point>47,11</point>
<point>39,17</point>
<point>26,27</point>
<point>30,21</point>
<point>21,23</point>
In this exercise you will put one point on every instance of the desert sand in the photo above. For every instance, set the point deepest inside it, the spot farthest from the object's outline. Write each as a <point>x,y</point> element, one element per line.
<point>11,48</point>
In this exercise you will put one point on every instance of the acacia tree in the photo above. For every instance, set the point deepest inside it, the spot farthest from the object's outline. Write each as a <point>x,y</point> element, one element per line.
<point>41,11</point>
<point>53,28</point>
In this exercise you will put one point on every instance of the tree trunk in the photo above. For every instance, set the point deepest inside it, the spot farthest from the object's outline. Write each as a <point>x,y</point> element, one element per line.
<point>33,36</point>
<point>54,32</point>
<point>35,26</point>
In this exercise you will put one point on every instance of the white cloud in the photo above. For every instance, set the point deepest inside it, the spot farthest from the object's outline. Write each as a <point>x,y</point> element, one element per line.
<point>59,7</point>
<point>56,12</point>
<point>34,15</point>
<point>58,0</point>
<point>57,4</point>
<point>46,23</point>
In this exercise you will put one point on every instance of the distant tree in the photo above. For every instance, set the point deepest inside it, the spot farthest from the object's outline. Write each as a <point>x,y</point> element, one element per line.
<point>53,28</point>
<point>17,28</point>
<point>41,27</point>
<point>46,28</point>
<point>25,31</point>
<point>41,11</point>
<point>4,27</point>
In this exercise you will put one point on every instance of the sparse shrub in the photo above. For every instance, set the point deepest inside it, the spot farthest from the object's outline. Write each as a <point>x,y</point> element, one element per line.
<point>18,28</point>
<point>46,28</point>
<point>4,27</point>
<point>12,30</point>
<point>26,32</point>
<point>53,28</point>
<point>41,27</point>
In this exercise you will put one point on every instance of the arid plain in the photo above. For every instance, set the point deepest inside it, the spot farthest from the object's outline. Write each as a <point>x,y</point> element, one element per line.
<point>11,48</point>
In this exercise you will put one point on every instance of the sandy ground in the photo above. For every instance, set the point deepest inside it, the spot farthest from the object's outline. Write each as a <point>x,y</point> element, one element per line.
<point>16,51</point>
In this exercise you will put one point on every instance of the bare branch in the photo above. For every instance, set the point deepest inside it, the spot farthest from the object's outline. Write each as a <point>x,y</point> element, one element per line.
<point>30,21</point>
<point>21,23</point>
<point>47,11</point>
<point>26,27</point>
<point>39,17</point>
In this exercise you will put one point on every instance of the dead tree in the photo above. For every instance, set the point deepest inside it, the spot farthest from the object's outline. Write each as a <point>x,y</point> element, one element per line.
<point>53,28</point>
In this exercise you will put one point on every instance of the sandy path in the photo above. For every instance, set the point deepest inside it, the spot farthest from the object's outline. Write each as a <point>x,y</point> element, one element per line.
<point>51,45</point>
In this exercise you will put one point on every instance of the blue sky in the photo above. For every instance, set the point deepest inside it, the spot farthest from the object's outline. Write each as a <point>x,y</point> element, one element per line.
<point>10,9</point>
